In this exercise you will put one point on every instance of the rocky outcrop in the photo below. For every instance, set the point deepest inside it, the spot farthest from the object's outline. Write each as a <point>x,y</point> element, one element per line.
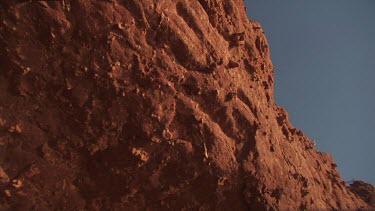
<point>124,104</point>
<point>365,191</point>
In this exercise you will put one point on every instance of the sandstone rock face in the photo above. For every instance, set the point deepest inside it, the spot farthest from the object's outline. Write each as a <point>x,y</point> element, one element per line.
<point>365,191</point>
<point>139,104</point>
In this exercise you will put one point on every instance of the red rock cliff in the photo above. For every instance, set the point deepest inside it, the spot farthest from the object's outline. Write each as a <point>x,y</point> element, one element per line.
<point>135,104</point>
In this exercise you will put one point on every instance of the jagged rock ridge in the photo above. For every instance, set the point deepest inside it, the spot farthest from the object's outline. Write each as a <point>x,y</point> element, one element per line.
<point>124,104</point>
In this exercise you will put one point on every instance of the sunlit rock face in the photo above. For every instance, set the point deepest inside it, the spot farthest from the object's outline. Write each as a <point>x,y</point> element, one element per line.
<point>139,104</point>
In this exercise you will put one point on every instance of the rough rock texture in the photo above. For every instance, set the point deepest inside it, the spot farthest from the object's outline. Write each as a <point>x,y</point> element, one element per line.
<point>135,104</point>
<point>365,191</point>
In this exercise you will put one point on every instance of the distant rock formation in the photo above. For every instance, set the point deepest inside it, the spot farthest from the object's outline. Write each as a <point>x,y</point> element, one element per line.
<point>135,104</point>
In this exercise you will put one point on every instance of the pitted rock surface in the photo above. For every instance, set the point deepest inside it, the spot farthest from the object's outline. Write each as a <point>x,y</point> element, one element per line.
<point>139,104</point>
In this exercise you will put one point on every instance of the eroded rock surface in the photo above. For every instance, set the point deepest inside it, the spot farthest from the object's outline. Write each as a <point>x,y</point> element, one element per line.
<point>135,104</point>
<point>365,191</point>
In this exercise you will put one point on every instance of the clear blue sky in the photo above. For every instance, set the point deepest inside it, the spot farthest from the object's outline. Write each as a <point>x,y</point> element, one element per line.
<point>326,50</point>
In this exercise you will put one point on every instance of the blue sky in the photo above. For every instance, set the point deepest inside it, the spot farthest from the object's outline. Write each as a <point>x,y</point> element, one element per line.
<point>326,53</point>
